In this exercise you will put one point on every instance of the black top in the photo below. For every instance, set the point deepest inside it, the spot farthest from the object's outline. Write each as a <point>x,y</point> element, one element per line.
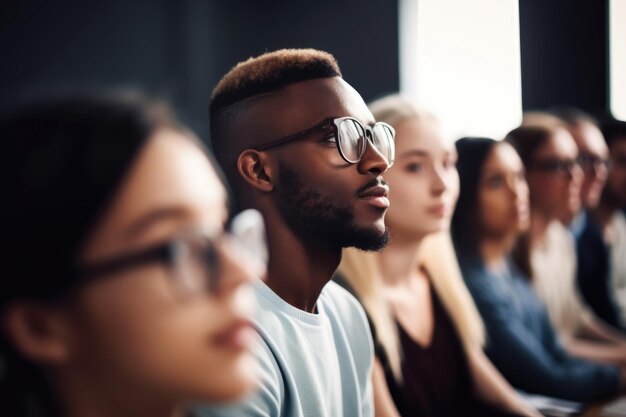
<point>593,271</point>
<point>436,378</point>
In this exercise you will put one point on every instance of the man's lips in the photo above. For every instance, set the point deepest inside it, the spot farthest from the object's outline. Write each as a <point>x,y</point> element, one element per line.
<point>375,194</point>
<point>376,191</point>
<point>374,187</point>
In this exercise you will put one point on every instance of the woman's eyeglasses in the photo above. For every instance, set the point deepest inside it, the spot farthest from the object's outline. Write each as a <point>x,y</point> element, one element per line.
<point>351,138</point>
<point>193,260</point>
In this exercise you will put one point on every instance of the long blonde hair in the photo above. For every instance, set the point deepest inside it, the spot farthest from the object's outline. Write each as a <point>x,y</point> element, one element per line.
<point>436,254</point>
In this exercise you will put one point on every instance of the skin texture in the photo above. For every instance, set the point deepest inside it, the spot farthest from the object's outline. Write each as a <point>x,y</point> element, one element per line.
<point>503,204</point>
<point>425,165</point>
<point>503,194</point>
<point>555,196</point>
<point>301,188</point>
<point>134,343</point>
<point>590,142</point>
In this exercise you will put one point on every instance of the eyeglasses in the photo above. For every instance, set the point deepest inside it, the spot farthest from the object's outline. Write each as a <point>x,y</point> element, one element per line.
<point>590,162</point>
<point>193,260</point>
<point>351,138</point>
<point>561,167</point>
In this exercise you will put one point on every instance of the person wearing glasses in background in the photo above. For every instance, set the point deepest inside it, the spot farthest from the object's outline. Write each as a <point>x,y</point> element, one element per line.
<point>121,293</point>
<point>591,251</point>
<point>300,145</point>
<point>492,211</point>
<point>602,278</point>
<point>547,254</point>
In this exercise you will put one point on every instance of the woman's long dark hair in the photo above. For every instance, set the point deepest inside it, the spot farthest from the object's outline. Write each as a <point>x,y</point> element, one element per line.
<point>472,154</point>
<point>61,162</point>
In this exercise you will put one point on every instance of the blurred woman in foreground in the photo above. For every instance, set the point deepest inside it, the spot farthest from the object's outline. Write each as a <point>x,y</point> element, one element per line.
<point>120,292</point>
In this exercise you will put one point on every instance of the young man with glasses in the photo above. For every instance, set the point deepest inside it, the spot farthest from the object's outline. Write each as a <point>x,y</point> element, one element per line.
<point>602,245</point>
<point>299,144</point>
<point>590,250</point>
<point>594,163</point>
<point>548,253</point>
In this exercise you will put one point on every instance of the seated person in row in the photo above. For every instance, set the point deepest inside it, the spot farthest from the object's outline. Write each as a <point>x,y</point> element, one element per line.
<point>427,331</point>
<point>493,210</point>
<point>299,144</point>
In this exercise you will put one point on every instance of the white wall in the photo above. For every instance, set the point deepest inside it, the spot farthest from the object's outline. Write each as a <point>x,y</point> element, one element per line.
<point>617,56</point>
<point>461,59</point>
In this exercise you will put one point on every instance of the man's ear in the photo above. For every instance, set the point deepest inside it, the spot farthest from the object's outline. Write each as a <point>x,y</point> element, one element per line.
<point>256,170</point>
<point>38,332</point>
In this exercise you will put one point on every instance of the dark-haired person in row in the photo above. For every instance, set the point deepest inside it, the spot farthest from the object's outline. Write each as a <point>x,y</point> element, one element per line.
<point>593,158</point>
<point>300,145</point>
<point>492,211</point>
<point>547,252</point>
<point>559,190</point>
<point>602,245</point>
<point>120,293</point>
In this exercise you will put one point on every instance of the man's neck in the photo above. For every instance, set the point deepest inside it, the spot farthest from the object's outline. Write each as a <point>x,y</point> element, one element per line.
<point>299,268</point>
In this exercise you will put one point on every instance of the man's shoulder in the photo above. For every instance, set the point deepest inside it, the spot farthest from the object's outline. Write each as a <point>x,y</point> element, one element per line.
<point>347,318</point>
<point>336,300</point>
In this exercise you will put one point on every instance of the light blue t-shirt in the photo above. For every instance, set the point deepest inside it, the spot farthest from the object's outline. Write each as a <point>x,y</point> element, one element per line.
<point>311,364</point>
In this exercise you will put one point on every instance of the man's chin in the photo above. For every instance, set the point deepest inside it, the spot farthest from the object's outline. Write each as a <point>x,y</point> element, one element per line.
<point>368,239</point>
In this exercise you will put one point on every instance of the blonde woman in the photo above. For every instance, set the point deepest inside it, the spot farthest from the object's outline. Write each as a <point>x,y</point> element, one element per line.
<point>428,333</point>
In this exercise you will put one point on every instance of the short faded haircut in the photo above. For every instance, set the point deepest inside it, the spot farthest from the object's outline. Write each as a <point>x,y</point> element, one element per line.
<point>262,75</point>
<point>271,72</point>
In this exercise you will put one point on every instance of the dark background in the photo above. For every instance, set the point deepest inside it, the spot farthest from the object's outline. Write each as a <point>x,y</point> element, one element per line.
<point>180,49</point>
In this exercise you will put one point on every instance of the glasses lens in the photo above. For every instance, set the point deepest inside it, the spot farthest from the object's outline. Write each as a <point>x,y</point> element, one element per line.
<point>383,141</point>
<point>195,264</point>
<point>199,263</point>
<point>248,232</point>
<point>351,139</point>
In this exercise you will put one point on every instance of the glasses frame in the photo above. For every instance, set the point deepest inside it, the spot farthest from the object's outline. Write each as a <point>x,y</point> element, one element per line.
<point>243,239</point>
<point>334,122</point>
<point>556,166</point>
<point>588,161</point>
<point>165,253</point>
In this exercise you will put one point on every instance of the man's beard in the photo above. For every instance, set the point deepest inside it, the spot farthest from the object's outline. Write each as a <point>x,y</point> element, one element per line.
<point>311,214</point>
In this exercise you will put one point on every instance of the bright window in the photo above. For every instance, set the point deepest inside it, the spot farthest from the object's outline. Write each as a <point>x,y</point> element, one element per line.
<point>461,60</point>
<point>617,58</point>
